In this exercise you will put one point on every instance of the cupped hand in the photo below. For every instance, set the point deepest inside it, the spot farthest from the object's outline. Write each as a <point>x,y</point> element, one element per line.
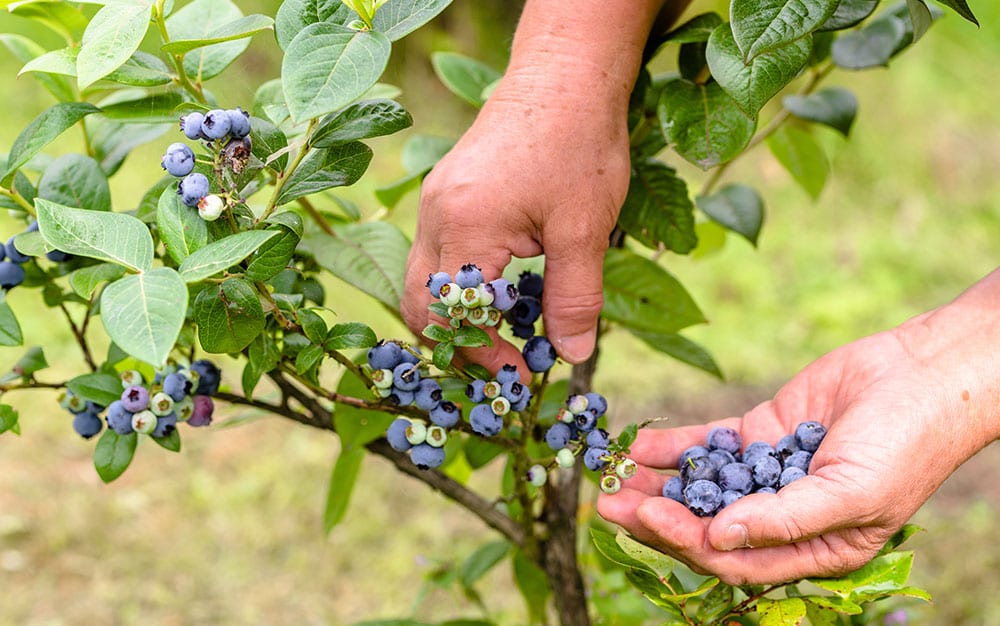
<point>538,172</point>
<point>898,425</point>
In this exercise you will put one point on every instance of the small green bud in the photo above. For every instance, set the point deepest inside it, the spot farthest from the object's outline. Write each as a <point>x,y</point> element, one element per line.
<point>566,416</point>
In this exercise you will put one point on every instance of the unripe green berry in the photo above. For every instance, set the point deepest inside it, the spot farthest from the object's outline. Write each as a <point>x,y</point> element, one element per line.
<point>611,484</point>
<point>537,475</point>
<point>184,408</point>
<point>565,458</point>
<point>478,317</point>
<point>492,389</point>
<point>382,379</point>
<point>451,294</point>
<point>416,432</point>
<point>210,207</point>
<point>469,298</point>
<point>64,399</point>
<point>577,403</point>
<point>383,393</point>
<point>76,404</point>
<point>627,469</point>
<point>130,378</point>
<point>485,296</point>
<point>493,317</point>
<point>436,436</point>
<point>458,312</point>
<point>566,416</point>
<point>144,422</point>
<point>500,405</point>
<point>161,404</point>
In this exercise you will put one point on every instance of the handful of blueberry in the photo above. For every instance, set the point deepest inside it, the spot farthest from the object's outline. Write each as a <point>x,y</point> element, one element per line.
<point>717,474</point>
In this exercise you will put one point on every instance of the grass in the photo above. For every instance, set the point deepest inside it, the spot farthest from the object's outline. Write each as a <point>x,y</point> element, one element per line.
<point>230,531</point>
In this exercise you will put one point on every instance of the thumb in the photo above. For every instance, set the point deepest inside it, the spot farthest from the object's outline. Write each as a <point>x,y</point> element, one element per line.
<point>573,295</point>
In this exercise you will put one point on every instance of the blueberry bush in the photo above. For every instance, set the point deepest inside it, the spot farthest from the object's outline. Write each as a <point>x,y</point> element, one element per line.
<point>229,252</point>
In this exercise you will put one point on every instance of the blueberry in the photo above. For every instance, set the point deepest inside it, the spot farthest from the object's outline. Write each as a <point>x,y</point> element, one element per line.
<point>143,422</point>
<point>693,451</point>
<point>722,438</point>
<point>437,436</point>
<point>135,398</point>
<point>530,284</point>
<point>216,124</point>
<point>405,356</point>
<point>523,332</point>
<point>178,160</point>
<point>484,421</point>
<point>597,402</point>
<point>428,394</point>
<point>558,436</point>
<point>766,490</point>
<point>592,459</point>
<point>87,424</point>
<point>469,275</point>
<point>586,421</point>
<point>799,459</point>
<point>191,125</point>
<point>401,397</point>
<point>766,471</point>
<point>504,293</point>
<point>598,438</point>
<point>537,475</point>
<point>508,374</point>
<point>416,432</point>
<point>474,390</point>
<point>736,477</point>
<point>703,497</point>
<point>565,458</point>
<point>385,355</point>
<point>239,123</point>
<point>161,404</point>
<point>425,456</point>
<point>436,281</point>
<point>539,354</point>
<point>405,377</point>
<point>192,188</point>
<point>785,447</point>
<point>11,275</point>
<point>525,311</point>
<point>396,434</point>
<point>119,419</point>
<point>728,497</point>
<point>165,425</point>
<point>521,403</point>
<point>13,254</point>
<point>513,391</point>
<point>446,414</point>
<point>209,377</point>
<point>699,468</point>
<point>176,386</point>
<point>577,403</point>
<point>756,451</point>
<point>58,256</point>
<point>807,434</point>
<point>721,458</point>
<point>788,475</point>
<point>201,415</point>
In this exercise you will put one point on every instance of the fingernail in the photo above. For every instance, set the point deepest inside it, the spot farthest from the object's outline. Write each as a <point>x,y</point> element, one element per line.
<point>735,537</point>
<point>576,348</point>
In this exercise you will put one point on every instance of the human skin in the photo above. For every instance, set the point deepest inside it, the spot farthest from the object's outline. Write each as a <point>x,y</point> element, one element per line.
<point>904,408</point>
<point>543,169</point>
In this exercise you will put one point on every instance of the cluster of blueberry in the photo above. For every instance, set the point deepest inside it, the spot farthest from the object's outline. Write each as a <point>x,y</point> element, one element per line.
<point>576,433</point>
<point>469,298</point>
<point>12,261</point>
<point>183,394</point>
<point>528,306</point>
<point>715,475</point>
<point>225,127</point>
<point>496,398</point>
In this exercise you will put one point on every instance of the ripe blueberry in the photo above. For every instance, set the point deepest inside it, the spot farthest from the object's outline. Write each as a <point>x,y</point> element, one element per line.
<point>469,275</point>
<point>216,124</point>
<point>436,281</point>
<point>165,425</point>
<point>736,477</point>
<point>484,421</point>
<point>209,377</point>
<point>809,435</point>
<point>11,275</point>
<point>504,293</point>
<point>789,474</point>
<point>539,354</point>
<point>674,489</point>
<point>722,438</point>
<point>191,125</point>
<point>426,456</point>
<point>530,284</point>
<point>135,398</point>
<point>385,355</point>
<point>446,414</point>
<point>428,394</point>
<point>13,254</point>
<point>87,424</point>
<point>119,419</point>
<point>703,497</point>
<point>558,435</point>
<point>192,188</point>
<point>396,435</point>
<point>598,438</point>
<point>592,459</point>
<point>178,160</point>
<point>239,122</point>
<point>201,415</point>
<point>766,471</point>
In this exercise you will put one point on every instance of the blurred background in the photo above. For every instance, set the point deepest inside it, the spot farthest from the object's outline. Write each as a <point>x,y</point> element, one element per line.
<point>230,531</point>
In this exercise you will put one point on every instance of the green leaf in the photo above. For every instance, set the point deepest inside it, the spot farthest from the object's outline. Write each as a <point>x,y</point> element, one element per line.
<point>155,109</point>
<point>294,15</point>
<point>883,576</point>
<point>655,561</point>
<point>962,8</point>
<point>716,603</point>
<point>143,313</point>
<point>114,237</point>
<point>49,124</point>
<point>25,50</point>
<point>112,35</point>
<point>737,207</point>
<point>835,107</point>
<point>357,427</point>
<point>308,359</point>
<point>325,168</point>
<point>274,254</point>
<point>10,329</point>
<point>872,46</point>
<point>350,335</point>
<point>313,326</point>
<point>142,70</point>
<point>32,361</point>
<point>753,83</point>
<point>102,389</point>
<point>361,120</point>
<point>327,66</point>
<point>229,317</point>
<point>641,295</point>
<point>438,333</point>
<point>241,28</point>
<point>170,442</point>
<point>533,585</point>
<point>760,26</point>
<point>657,208</point>
<point>682,349</point>
<point>783,612</point>
<point>479,452</point>
<point>342,481</point>
<point>198,21</point>
<point>920,18</point>
<point>370,256</point>
<point>472,337</point>
<point>467,78</point>
<point>263,355</point>
<point>703,124</point>
<point>268,144</point>
<point>821,617</point>
<point>8,420</point>
<point>113,141</point>
<point>63,18</point>
<point>802,156</point>
<point>76,180</point>
<point>181,228</point>
<point>443,353</point>
<point>113,454</point>
<point>849,13</point>
<point>399,18</point>
<point>61,61</point>
<point>833,603</point>
<point>222,254</point>
<point>696,30</point>
<point>607,544</point>
<point>485,558</point>
<point>422,152</point>
<point>900,536</point>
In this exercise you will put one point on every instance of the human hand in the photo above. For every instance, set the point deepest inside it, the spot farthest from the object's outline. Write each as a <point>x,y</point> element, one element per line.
<point>903,410</point>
